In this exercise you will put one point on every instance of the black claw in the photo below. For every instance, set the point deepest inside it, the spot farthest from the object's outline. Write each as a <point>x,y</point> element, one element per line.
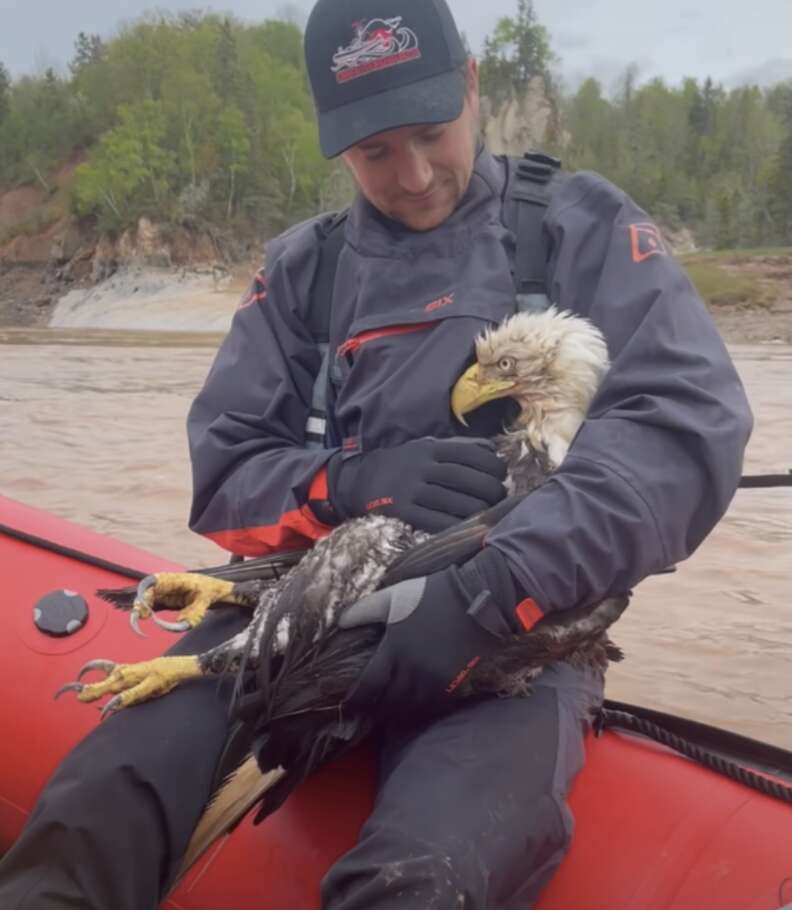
<point>112,707</point>
<point>69,687</point>
<point>106,666</point>
<point>148,582</point>
<point>181,626</point>
<point>134,620</point>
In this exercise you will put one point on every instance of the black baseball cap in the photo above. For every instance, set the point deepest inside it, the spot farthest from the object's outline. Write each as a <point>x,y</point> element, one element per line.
<point>375,65</point>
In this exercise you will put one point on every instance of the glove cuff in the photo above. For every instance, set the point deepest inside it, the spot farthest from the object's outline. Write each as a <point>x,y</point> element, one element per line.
<point>490,571</point>
<point>341,474</point>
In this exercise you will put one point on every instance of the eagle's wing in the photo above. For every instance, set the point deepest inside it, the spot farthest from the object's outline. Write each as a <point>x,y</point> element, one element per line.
<point>451,547</point>
<point>262,568</point>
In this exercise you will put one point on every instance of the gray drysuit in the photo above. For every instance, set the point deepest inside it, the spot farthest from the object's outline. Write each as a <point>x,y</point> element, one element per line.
<point>471,809</point>
<point>651,471</point>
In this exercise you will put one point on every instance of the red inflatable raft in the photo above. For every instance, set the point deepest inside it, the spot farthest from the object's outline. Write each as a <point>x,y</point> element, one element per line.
<point>655,830</point>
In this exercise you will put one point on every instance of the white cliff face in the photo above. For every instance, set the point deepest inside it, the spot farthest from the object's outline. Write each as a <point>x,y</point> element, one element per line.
<point>147,299</point>
<point>521,123</point>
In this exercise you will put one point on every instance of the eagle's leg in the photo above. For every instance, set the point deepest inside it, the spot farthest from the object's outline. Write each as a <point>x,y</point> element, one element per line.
<point>131,684</point>
<point>191,594</point>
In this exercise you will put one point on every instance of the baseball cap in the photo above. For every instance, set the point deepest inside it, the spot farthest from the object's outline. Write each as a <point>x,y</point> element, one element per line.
<point>375,65</point>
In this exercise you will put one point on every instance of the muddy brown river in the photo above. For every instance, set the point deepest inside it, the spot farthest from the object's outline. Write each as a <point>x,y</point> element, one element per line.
<point>92,429</point>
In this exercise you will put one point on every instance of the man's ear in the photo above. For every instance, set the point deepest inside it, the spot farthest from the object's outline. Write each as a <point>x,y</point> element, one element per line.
<point>472,77</point>
<point>472,86</point>
<point>347,159</point>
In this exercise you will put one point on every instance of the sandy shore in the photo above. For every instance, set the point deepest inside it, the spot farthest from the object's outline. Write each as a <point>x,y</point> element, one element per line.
<point>180,301</point>
<point>151,300</point>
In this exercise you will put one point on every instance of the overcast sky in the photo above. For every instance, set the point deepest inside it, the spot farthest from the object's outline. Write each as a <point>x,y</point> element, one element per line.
<point>726,39</point>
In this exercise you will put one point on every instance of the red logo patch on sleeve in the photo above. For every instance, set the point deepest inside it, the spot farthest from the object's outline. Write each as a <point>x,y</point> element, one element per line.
<point>257,292</point>
<point>646,240</point>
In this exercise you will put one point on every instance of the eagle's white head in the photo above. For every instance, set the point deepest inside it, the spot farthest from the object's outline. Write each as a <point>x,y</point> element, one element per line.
<point>551,363</point>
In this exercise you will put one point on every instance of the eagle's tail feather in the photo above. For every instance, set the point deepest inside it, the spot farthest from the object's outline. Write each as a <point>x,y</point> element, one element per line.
<point>242,789</point>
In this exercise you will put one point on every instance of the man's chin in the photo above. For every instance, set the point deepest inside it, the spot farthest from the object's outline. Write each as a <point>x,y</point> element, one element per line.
<point>425,220</point>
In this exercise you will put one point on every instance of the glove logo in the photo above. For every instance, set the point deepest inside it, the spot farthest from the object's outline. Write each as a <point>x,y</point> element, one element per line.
<point>379,503</point>
<point>446,300</point>
<point>646,240</point>
<point>378,44</point>
<point>457,681</point>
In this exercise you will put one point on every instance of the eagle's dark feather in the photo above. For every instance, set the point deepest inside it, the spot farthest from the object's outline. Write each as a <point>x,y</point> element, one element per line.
<point>295,697</point>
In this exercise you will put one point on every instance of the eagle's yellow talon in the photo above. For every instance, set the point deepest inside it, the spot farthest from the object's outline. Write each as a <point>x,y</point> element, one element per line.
<point>190,593</point>
<point>135,683</point>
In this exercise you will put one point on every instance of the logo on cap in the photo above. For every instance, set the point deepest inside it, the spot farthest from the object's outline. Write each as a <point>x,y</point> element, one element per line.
<point>378,44</point>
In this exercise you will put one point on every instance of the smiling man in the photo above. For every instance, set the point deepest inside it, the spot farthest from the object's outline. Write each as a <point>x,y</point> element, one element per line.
<point>417,175</point>
<point>471,808</point>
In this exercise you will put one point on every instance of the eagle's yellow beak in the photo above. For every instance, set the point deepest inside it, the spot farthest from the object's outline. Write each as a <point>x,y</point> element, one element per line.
<point>470,392</point>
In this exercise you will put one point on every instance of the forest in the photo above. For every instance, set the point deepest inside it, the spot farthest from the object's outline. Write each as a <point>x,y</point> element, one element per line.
<point>199,118</point>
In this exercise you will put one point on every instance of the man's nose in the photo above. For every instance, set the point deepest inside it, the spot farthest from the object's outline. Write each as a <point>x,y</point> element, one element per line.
<point>415,173</point>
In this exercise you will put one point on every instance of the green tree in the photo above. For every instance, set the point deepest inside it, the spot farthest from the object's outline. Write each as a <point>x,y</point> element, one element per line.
<point>590,119</point>
<point>191,109</point>
<point>517,50</point>
<point>5,90</point>
<point>281,42</point>
<point>88,51</point>
<point>298,166</point>
<point>129,174</point>
<point>780,201</point>
<point>233,143</point>
<point>779,100</point>
<point>226,76</point>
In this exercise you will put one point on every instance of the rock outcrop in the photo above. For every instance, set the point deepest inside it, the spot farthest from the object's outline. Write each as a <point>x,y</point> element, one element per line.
<point>38,268</point>
<point>526,121</point>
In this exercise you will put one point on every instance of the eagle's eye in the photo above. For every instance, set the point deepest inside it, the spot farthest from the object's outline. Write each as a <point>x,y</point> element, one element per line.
<point>506,364</point>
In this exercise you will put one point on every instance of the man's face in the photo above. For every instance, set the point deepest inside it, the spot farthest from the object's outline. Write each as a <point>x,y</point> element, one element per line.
<point>417,175</point>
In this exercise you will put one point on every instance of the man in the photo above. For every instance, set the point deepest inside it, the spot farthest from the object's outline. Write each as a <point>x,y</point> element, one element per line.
<point>471,807</point>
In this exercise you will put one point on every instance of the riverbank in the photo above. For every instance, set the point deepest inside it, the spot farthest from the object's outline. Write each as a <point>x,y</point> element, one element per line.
<point>133,299</point>
<point>749,296</point>
<point>748,292</point>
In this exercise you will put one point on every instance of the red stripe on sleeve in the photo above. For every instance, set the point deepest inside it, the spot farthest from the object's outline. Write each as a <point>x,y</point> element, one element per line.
<point>298,529</point>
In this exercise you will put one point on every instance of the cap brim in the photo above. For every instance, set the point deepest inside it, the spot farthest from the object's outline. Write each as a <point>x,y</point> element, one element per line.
<point>437,99</point>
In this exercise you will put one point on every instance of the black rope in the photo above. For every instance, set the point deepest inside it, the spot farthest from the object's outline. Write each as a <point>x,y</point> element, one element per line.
<point>71,553</point>
<point>762,481</point>
<point>608,718</point>
<point>238,569</point>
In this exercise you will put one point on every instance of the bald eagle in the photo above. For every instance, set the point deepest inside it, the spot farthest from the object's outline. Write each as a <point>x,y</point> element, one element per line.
<point>293,667</point>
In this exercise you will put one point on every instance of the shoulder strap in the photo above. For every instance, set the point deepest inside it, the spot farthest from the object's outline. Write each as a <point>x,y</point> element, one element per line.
<point>319,426</point>
<point>331,239</point>
<point>531,182</point>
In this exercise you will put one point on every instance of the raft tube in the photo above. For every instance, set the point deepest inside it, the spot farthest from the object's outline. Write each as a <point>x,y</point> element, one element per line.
<point>655,830</point>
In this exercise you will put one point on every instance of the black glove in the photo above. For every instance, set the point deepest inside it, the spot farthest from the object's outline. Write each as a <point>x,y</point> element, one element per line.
<point>429,483</point>
<point>438,628</point>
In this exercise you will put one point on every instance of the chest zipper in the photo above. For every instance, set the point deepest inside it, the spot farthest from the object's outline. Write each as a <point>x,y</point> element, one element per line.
<point>351,345</point>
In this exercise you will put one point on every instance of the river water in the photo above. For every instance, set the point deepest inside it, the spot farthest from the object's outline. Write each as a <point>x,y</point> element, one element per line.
<point>92,429</point>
